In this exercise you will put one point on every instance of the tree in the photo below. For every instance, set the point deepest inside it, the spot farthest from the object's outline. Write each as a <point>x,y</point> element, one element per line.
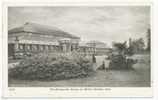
<point>137,45</point>
<point>140,44</point>
<point>120,60</point>
<point>148,39</point>
<point>121,47</point>
<point>130,51</point>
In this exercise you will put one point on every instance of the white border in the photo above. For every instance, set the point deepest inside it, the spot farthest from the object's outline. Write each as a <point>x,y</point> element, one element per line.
<point>47,92</point>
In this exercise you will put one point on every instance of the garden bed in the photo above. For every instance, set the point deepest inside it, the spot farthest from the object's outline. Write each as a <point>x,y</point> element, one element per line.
<point>52,67</point>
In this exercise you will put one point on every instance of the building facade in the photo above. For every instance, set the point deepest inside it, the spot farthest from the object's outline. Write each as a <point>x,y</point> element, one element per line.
<point>32,38</point>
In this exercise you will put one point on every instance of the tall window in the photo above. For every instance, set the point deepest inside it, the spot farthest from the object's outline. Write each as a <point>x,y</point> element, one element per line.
<point>21,46</point>
<point>41,47</point>
<point>28,47</point>
<point>34,47</point>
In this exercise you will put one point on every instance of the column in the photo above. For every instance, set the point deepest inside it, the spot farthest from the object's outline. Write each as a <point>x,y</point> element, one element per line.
<point>16,46</point>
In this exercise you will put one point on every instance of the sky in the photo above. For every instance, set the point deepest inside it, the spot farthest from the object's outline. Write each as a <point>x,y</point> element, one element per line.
<point>101,23</point>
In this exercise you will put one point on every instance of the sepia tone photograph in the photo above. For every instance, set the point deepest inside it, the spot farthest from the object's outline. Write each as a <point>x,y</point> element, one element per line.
<point>79,46</point>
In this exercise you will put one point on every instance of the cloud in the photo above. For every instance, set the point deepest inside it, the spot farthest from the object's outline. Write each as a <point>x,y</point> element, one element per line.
<point>107,23</point>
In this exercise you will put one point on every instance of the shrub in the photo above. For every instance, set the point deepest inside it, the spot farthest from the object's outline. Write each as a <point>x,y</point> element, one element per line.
<point>50,67</point>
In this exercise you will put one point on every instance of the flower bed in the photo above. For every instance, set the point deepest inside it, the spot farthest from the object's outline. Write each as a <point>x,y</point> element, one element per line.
<point>51,67</point>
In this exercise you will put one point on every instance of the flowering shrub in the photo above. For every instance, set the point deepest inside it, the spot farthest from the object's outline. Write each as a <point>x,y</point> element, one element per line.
<point>51,67</point>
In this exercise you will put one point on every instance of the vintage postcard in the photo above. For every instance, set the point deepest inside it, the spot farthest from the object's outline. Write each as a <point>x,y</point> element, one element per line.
<point>77,50</point>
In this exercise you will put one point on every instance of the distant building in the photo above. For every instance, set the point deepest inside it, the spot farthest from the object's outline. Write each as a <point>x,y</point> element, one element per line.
<point>100,48</point>
<point>85,49</point>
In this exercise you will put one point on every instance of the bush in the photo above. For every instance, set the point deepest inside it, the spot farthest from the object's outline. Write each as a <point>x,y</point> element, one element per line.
<point>50,67</point>
<point>121,62</point>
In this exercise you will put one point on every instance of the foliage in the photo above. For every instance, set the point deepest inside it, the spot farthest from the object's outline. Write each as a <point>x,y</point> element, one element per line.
<point>149,39</point>
<point>129,51</point>
<point>137,45</point>
<point>121,62</point>
<point>121,47</point>
<point>51,67</point>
